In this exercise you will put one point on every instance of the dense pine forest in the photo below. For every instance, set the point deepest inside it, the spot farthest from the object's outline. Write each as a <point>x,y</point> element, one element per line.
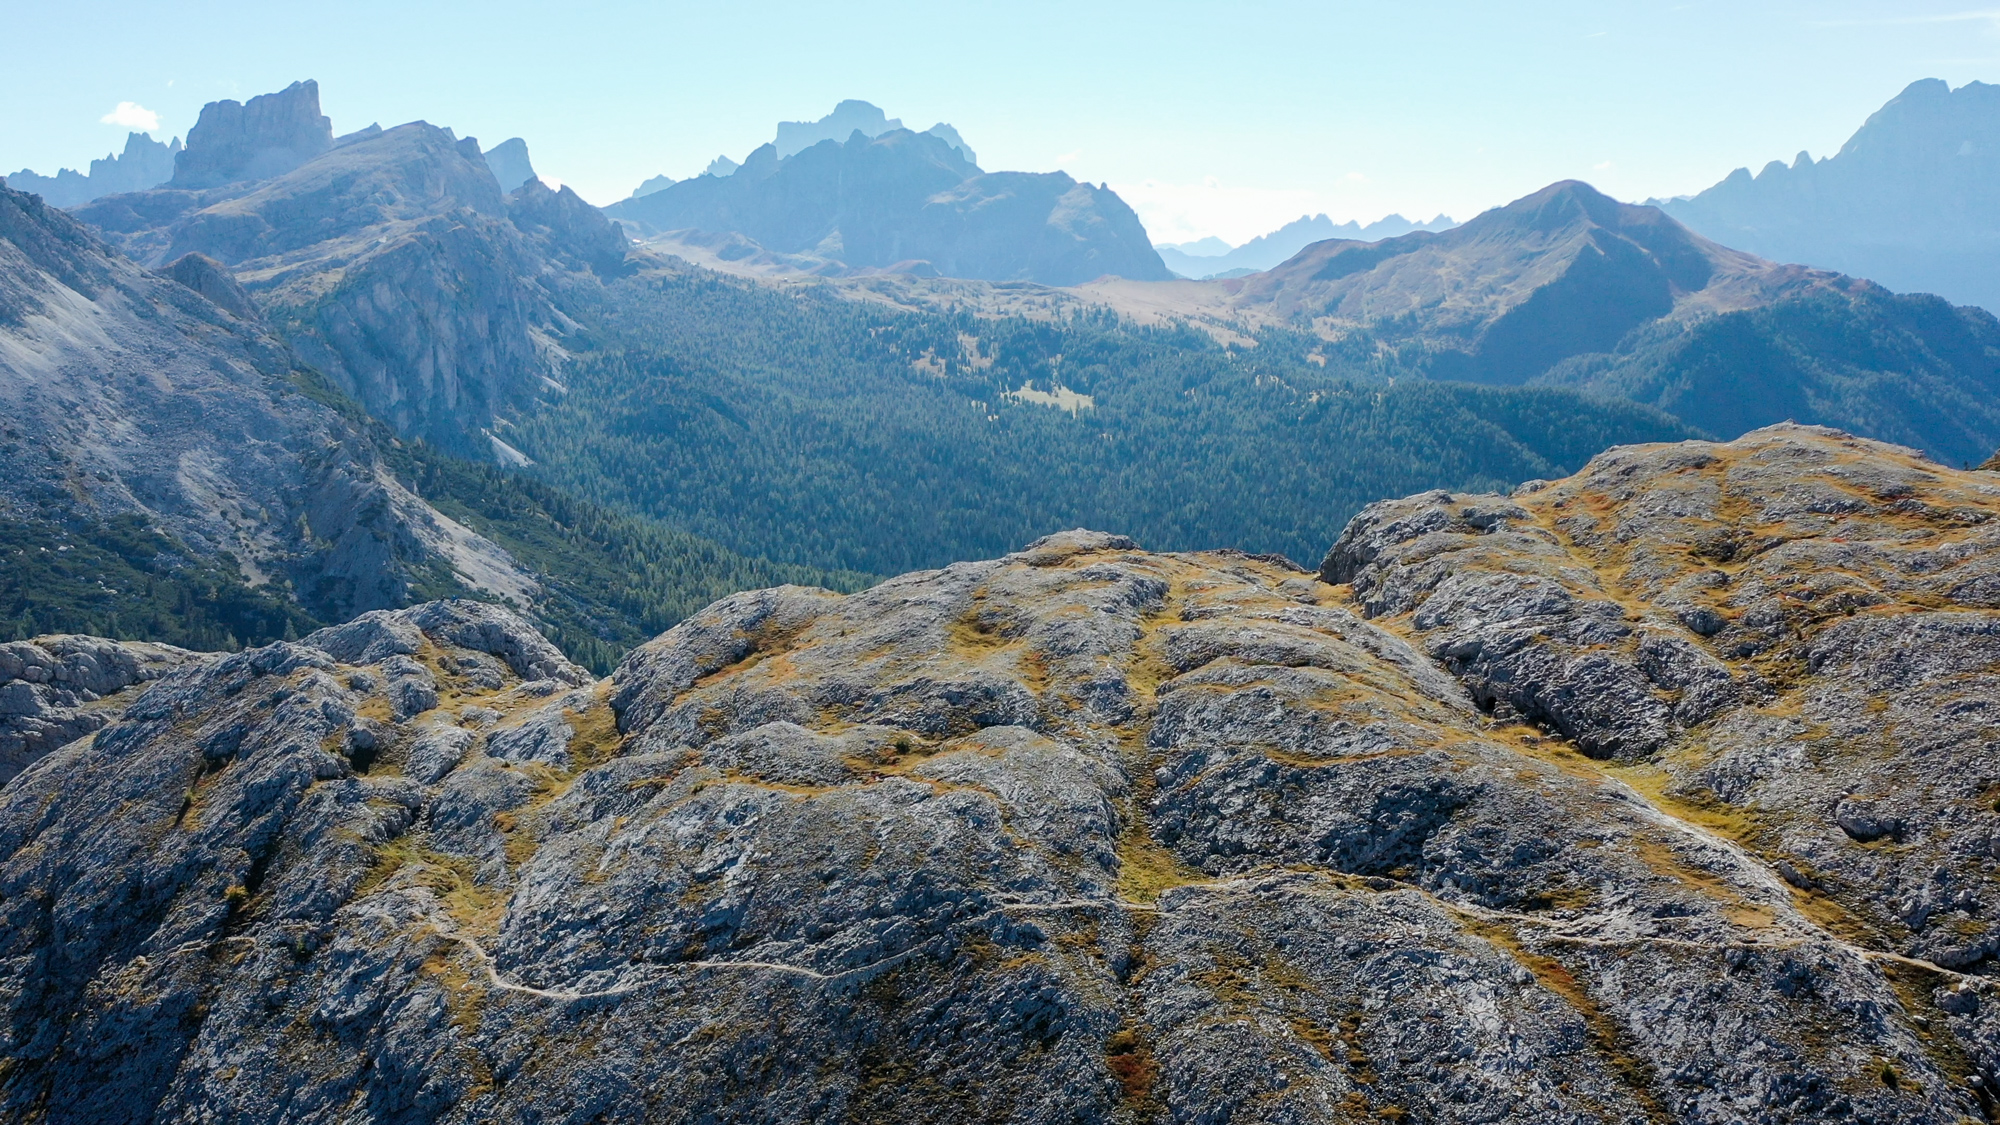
<point>803,426</point>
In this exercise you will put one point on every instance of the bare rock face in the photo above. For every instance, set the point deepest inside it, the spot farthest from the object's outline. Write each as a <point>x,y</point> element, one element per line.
<point>209,278</point>
<point>267,136</point>
<point>1797,633</point>
<point>393,262</point>
<point>1079,834</point>
<point>54,690</point>
<point>125,393</point>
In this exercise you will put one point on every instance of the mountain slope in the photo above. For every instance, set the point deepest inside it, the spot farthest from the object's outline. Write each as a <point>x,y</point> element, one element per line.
<point>1909,369</point>
<point>1522,287</point>
<point>395,264</point>
<point>1910,200</point>
<point>902,198</point>
<point>129,394</point>
<point>169,471</point>
<point>1083,833</point>
<point>1567,287</point>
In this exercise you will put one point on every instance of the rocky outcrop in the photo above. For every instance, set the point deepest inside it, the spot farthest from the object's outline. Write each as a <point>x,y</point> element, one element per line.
<point>395,264</point>
<point>1079,834</point>
<point>268,136</point>
<point>211,279</point>
<point>55,690</point>
<point>1796,632</point>
<point>510,164</point>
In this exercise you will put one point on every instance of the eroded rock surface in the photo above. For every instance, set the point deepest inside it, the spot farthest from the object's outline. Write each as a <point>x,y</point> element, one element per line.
<point>1079,834</point>
<point>1798,629</point>
<point>54,690</point>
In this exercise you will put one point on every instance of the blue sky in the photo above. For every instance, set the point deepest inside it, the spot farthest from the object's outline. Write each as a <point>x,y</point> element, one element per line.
<point>1222,119</point>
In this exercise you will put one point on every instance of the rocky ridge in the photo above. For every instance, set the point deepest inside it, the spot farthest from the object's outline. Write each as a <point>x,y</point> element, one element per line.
<point>1908,201</point>
<point>1082,833</point>
<point>167,398</point>
<point>390,259</point>
<point>55,690</point>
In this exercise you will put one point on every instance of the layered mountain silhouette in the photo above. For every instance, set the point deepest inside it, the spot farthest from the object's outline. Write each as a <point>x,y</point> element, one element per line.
<point>905,201</point>
<point>509,163</point>
<point>1568,286</point>
<point>1518,289</point>
<point>144,163</point>
<point>1214,258</point>
<point>1912,200</point>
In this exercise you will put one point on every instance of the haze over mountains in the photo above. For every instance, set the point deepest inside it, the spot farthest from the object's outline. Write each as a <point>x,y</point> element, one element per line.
<point>1213,258</point>
<point>559,747</point>
<point>144,163</point>
<point>1911,201</point>
<point>521,328</point>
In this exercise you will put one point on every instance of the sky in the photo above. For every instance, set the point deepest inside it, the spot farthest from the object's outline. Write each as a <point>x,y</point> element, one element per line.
<point>1223,119</point>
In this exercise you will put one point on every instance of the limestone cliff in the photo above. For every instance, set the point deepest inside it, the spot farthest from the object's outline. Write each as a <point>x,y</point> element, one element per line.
<point>1651,795</point>
<point>130,394</point>
<point>394,263</point>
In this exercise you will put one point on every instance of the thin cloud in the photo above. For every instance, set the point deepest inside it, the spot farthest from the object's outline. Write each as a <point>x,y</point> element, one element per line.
<point>132,115</point>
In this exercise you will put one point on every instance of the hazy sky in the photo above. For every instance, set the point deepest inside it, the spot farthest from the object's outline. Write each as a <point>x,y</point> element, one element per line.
<point>1224,119</point>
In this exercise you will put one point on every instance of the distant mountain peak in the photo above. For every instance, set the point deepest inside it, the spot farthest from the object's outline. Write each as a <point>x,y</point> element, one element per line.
<point>1912,200</point>
<point>267,136</point>
<point>849,117</point>
<point>145,163</point>
<point>882,202</point>
<point>1213,258</point>
<point>510,163</point>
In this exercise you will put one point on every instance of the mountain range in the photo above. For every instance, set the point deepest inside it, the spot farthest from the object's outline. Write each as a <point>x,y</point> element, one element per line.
<point>1911,201</point>
<point>144,163</point>
<point>904,202</point>
<point>1570,287</point>
<point>450,669</point>
<point>1214,258</point>
<point>826,427</point>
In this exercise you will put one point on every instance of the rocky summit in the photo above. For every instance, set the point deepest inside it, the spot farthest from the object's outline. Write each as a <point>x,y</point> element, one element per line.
<point>1660,793</point>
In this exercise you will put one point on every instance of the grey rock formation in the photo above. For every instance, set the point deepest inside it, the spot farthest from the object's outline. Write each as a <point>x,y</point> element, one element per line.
<point>145,163</point>
<point>267,136</point>
<point>395,264</point>
<point>54,690</point>
<point>399,267</point>
<point>1079,834</point>
<point>1796,632</point>
<point>127,394</point>
<point>509,163</point>
<point>213,280</point>
<point>848,118</point>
